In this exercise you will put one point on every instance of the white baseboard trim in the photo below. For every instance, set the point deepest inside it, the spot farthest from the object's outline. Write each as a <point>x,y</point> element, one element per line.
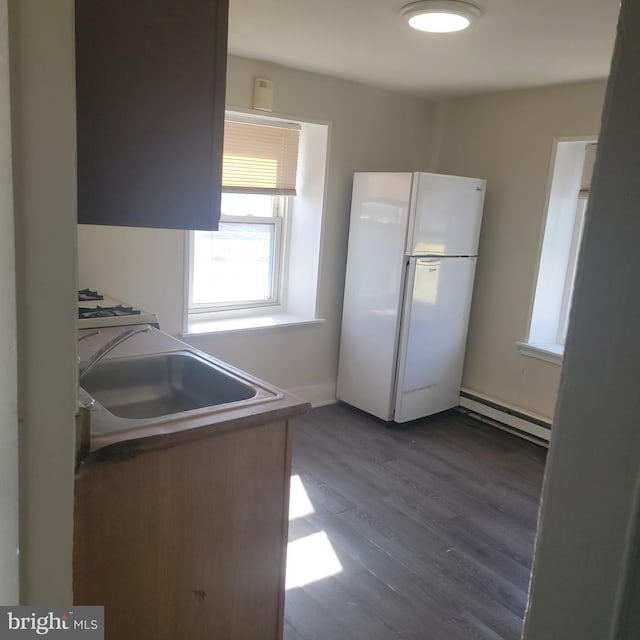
<point>318,395</point>
<point>515,420</point>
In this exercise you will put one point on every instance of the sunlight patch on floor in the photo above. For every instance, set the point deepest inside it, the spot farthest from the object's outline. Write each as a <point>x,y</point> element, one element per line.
<point>299,503</point>
<point>310,559</point>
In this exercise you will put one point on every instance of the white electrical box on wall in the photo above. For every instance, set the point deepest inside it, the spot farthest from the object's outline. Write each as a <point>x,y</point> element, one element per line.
<point>263,94</point>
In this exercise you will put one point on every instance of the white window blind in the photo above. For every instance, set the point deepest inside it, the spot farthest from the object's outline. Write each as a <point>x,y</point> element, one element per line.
<point>260,157</point>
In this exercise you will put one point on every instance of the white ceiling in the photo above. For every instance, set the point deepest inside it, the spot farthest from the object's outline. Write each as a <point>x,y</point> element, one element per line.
<point>516,43</point>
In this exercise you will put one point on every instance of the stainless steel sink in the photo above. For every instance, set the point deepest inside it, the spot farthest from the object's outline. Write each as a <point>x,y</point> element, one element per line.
<point>160,385</point>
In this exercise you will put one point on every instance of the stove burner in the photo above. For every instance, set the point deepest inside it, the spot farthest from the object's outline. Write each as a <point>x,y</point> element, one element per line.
<point>86,294</point>
<point>106,312</point>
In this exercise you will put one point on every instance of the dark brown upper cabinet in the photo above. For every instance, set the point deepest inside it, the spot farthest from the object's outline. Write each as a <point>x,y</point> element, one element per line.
<point>150,80</point>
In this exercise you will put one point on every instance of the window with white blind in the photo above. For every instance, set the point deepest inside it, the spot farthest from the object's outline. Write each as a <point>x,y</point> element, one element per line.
<point>243,270</point>
<point>568,197</point>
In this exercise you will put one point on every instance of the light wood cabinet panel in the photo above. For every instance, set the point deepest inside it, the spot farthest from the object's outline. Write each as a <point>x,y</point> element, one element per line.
<point>187,541</point>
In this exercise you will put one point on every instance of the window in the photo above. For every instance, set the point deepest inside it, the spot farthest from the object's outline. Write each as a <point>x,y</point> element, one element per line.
<point>568,196</point>
<point>261,266</point>
<point>239,265</point>
<point>572,263</point>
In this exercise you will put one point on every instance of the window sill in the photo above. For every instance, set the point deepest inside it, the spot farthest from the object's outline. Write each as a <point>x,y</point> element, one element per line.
<point>199,324</point>
<point>542,351</point>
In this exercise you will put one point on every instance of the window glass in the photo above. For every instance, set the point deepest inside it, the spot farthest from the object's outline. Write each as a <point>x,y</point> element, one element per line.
<point>572,264</point>
<point>238,265</point>
<point>248,204</point>
<point>234,264</point>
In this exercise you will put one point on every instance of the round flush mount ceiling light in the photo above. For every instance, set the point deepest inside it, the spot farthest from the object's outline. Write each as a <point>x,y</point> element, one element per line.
<point>440,16</point>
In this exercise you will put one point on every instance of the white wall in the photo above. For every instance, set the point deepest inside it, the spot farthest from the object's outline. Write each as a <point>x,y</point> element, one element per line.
<point>9,575</point>
<point>43,130</point>
<point>507,138</point>
<point>587,571</point>
<point>371,129</point>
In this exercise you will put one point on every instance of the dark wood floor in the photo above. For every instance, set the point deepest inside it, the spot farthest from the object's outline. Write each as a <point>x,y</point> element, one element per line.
<point>433,525</point>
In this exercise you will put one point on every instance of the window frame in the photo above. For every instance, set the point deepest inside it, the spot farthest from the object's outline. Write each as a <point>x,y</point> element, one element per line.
<point>559,247</point>
<point>278,221</point>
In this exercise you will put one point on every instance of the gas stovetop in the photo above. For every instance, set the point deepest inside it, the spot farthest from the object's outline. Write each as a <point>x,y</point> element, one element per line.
<point>107,312</point>
<point>97,310</point>
<point>87,294</point>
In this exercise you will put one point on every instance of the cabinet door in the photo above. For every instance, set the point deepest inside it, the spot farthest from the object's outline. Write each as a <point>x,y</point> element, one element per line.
<point>186,542</point>
<point>150,78</point>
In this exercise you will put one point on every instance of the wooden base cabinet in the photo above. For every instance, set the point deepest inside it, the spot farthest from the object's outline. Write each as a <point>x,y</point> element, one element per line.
<point>187,541</point>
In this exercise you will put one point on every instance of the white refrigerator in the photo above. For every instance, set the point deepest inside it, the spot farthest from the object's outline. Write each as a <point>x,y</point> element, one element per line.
<point>413,241</point>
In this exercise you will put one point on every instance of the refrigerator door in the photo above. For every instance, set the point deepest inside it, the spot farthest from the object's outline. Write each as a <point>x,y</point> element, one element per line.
<point>373,291</point>
<point>445,215</point>
<point>433,335</point>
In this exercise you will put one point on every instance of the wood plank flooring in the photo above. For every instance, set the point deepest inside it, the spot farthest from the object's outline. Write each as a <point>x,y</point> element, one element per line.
<point>432,525</point>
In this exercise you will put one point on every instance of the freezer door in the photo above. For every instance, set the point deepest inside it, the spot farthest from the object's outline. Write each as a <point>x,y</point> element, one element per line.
<point>433,335</point>
<point>445,215</point>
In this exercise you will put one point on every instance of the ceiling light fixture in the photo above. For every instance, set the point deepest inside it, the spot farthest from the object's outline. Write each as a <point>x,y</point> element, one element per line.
<point>440,16</point>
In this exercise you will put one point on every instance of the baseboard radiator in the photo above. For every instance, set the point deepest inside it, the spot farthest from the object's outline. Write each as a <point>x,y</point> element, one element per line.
<point>510,419</point>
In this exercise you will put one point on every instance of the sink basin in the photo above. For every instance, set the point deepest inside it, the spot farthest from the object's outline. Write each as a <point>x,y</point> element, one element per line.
<point>158,385</point>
